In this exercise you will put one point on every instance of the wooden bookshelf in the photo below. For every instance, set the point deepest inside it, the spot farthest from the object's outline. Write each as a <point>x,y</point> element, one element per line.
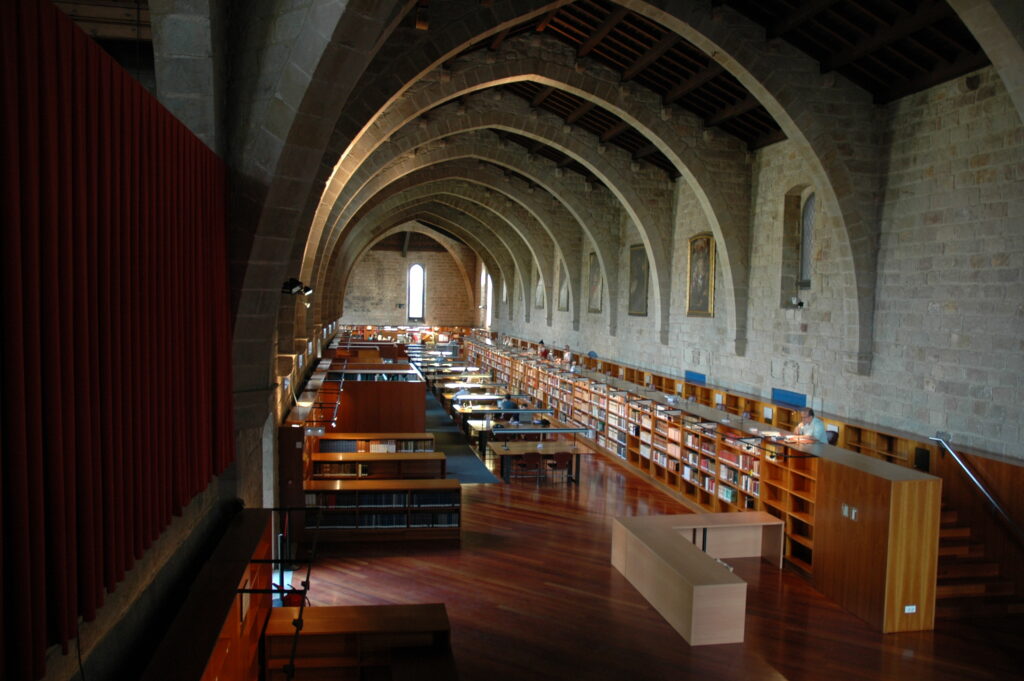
<point>374,442</point>
<point>371,510</point>
<point>371,465</point>
<point>723,452</point>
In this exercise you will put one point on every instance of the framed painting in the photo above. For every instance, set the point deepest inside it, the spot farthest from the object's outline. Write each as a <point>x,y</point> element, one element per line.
<point>594,297</point>
<point>639,274</point>
<point>700,281</point>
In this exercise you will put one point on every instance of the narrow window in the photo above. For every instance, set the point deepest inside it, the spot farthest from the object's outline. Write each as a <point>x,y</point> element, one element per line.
<point>416,291</point>
<point>806,229</point>
<point>489,300</point>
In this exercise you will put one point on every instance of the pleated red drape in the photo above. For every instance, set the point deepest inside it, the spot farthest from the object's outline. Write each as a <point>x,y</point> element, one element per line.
<point>116,368</point>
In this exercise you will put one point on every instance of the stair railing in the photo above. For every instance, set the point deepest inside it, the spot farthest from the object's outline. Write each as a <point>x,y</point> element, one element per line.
<point>944,439</point>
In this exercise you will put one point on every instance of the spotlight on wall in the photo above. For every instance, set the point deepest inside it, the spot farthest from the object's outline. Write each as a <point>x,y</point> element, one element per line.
<point>294,287</point>
<point>796,302</point>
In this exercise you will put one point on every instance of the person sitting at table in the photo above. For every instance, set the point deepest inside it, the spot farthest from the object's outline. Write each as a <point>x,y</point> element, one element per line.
<point>811,426</point>
<point>506,403</point>
<point>462,392</point>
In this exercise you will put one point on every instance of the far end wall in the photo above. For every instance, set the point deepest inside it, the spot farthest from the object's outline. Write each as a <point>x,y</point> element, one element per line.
<point>376,292</point>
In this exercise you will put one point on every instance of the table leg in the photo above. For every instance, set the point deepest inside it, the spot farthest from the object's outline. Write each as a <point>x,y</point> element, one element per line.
<point>483,443</point>
<point>506,463</point>
<point>575,469</point>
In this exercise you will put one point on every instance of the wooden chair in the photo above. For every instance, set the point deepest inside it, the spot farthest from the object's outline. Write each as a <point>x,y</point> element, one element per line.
<point>529,465</point>
<point>560,463</point>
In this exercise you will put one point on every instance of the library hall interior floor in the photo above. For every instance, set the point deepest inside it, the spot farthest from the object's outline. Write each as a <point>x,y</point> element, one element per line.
<point>531,594</point>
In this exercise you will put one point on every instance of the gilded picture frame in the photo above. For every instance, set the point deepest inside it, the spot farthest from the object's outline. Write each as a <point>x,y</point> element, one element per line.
<point>700,279</point>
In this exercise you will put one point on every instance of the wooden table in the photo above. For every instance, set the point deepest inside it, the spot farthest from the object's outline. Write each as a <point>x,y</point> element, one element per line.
<point>507,451</point>
<point>694,591</point>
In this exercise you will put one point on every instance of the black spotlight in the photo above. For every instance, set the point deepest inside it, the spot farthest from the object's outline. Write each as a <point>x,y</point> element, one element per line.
<point>307,290</point>
<point>292,287</point>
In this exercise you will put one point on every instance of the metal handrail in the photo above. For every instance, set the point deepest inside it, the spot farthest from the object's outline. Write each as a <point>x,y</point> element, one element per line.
<point>943,439</point>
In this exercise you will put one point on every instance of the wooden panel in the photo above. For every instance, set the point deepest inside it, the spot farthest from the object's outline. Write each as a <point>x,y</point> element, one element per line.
<point>701,598</point>
<point>850,554</point>
<point>385,406</point>
<point>913,550</point>
<point>210,638</point>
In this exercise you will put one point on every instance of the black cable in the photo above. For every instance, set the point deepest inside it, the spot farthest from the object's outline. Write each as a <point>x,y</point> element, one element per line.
<point>78,649</point>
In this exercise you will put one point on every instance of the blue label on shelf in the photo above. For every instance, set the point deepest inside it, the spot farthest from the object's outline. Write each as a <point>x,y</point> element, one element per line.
<point>695,377</point>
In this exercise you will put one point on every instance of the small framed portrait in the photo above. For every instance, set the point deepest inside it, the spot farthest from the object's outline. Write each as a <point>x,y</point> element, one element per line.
<point>700,285</point>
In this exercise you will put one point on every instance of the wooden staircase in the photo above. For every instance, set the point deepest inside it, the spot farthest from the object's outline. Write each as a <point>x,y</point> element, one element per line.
<point>969,583</point>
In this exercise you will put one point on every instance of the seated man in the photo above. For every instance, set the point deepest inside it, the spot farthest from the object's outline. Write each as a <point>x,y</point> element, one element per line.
<point>507,403</point>
<point>811,427</point>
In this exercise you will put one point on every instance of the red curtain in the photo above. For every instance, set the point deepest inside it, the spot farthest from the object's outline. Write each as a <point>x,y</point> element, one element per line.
<point>116,367</point>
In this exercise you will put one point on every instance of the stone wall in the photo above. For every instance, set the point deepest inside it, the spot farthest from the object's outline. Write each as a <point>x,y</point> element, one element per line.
<point>377,287</point>
<point>949,322</point>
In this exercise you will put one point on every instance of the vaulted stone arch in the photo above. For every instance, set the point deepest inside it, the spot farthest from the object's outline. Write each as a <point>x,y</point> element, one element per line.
<point>334,300</point>
<point>715,167</point>
<point>494,256</point>
<point>542,173</point>
<point>534,215</point>
<point>833,123</point>
<point>491,226</point>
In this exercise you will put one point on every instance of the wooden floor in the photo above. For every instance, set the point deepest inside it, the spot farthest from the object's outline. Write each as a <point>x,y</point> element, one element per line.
<point>531,594</point>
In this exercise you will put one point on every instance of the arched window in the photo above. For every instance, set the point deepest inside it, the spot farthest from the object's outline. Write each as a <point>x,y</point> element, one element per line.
<point>416,290</point>
<point>806,244</point>
<point>489,300</point>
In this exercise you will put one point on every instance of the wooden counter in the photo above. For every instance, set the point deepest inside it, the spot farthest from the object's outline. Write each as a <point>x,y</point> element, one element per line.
<point>696,593</point>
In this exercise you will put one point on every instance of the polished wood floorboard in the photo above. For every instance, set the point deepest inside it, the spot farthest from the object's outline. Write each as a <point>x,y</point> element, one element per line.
<point>531,594</point>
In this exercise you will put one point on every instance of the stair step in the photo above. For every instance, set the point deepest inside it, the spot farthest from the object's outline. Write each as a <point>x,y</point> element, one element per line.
<point>960,546</point>
<point>954,531</point>
<point>978,606</point>
<point>949,587</point>
<point>956,566</point>
<point>948,516</point>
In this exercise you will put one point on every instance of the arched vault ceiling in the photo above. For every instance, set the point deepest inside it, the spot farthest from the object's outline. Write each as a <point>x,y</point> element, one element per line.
<point>638,40</point>
<point>717,170</point>
<point>494,256</point>
<point>564,203</point>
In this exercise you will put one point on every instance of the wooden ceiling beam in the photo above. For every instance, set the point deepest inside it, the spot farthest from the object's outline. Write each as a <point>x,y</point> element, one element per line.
<point>923,17</point>
<point>581,111</point>
<point>967,62</point>
<point>693,82</point>
<point>667,42</point>
<point>543,23</point>
<point>541,95</point>
<point>728,113</point>
<point>768,138</point>
<point>645,151</point>
<point>614,131</point>
<point>597,36</point>
<point>498,40</point>
<point>802,15</point>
